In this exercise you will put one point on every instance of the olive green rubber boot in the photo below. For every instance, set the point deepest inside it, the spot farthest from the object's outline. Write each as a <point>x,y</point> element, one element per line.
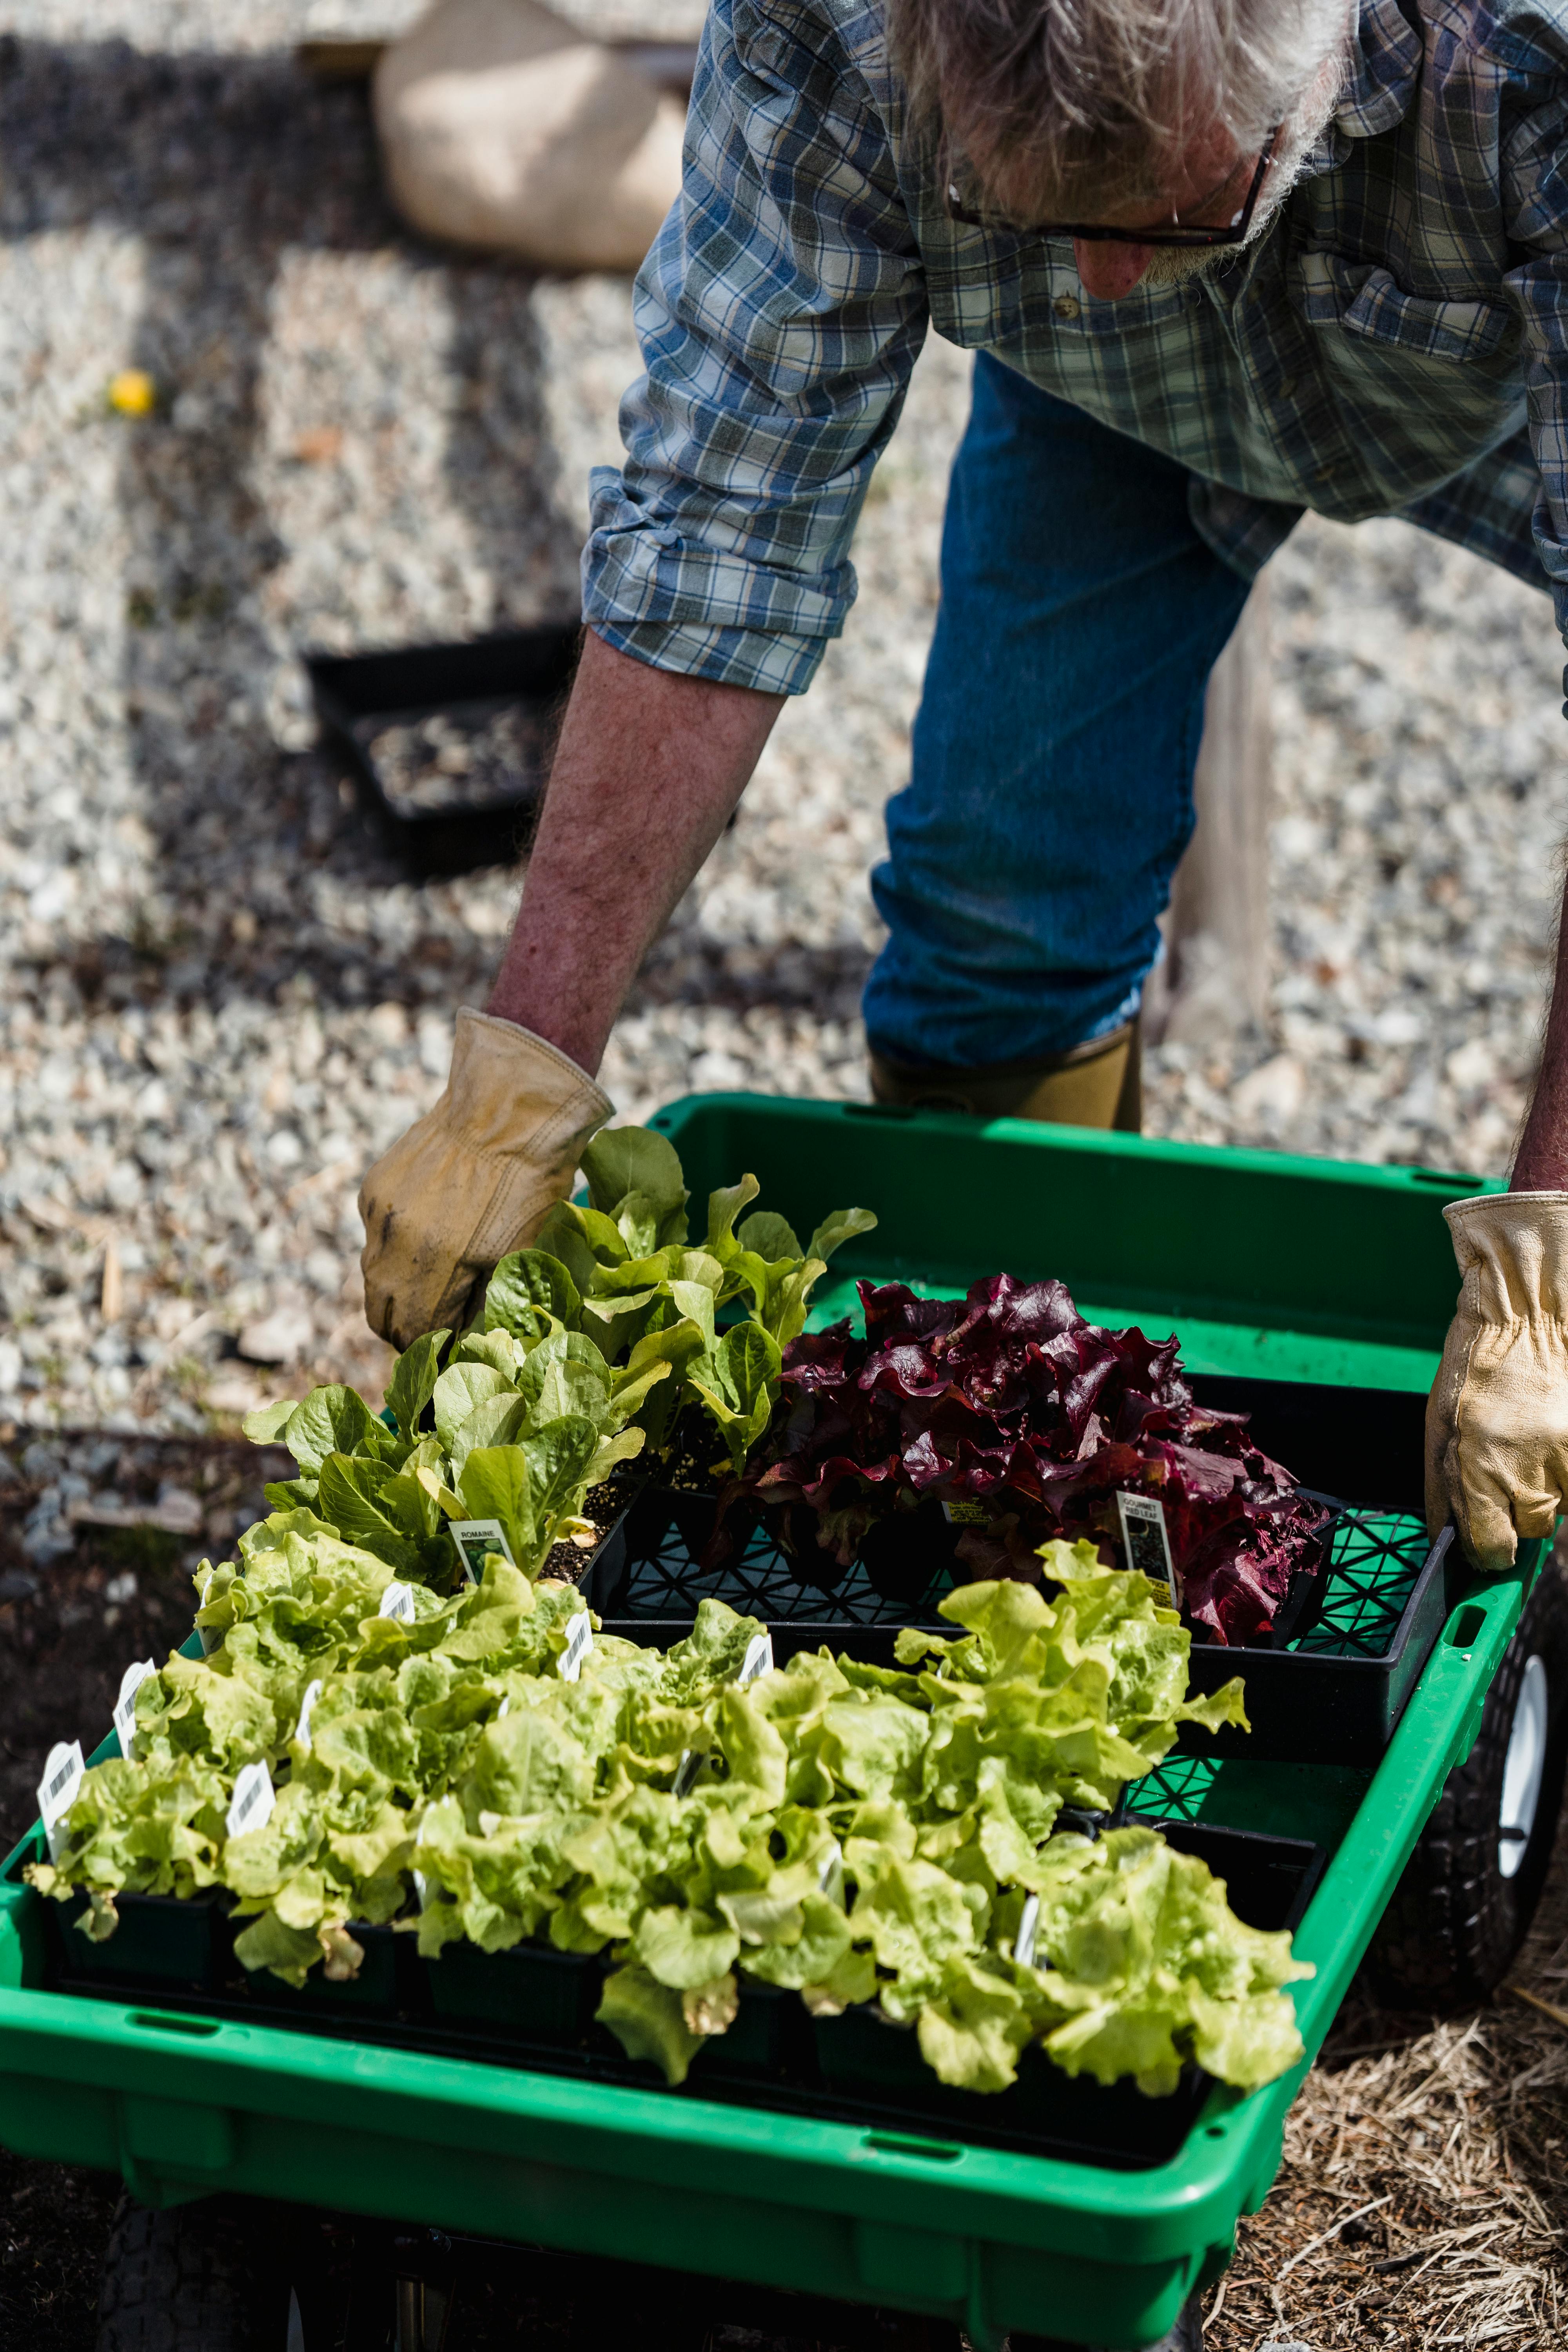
<point>1097,1085</point>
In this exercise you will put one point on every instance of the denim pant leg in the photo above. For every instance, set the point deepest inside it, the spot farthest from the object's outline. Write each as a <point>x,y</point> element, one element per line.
<point>1052,789</point>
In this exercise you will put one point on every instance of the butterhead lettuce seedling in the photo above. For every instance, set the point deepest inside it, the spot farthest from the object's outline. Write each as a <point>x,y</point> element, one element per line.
<point>857,1834</point>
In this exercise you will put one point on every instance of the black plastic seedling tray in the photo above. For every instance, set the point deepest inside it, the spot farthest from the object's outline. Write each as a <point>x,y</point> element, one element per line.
<point>1335,1691</point>
<point>450,744</point>
<point>644,1583</point>
<point>533,2006</point>
<point>1331,1689</point>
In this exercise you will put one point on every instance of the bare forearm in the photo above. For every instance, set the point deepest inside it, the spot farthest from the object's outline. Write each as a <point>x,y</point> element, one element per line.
<point>1542,1162</point>
<point>649,766</point>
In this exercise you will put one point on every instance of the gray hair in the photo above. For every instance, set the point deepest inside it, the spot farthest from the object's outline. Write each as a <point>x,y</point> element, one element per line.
<point>1084,104</point>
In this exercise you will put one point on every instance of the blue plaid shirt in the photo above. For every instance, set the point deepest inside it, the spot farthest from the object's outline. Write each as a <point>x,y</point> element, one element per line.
<point>1397,343</point>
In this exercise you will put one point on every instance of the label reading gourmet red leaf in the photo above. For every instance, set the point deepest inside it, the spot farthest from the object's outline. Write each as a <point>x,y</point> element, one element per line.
<point>1145,1542</point>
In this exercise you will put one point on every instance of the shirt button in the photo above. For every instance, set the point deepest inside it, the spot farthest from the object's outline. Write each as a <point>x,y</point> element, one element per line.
<point>1324,473</point>
<point>1287,390</point>
<point>1066,305</point>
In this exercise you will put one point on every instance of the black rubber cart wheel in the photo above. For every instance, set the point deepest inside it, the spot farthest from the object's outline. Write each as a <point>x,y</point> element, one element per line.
<point>1468,1893</point>
<point>195,2278</point>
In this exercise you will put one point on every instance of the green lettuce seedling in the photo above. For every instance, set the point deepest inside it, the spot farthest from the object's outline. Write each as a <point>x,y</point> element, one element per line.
<point>854,1833</point>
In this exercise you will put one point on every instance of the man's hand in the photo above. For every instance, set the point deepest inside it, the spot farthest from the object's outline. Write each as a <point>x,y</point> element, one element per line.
<point>650,764</point>
<point>1497,1421</point>
<point>474,1177</point>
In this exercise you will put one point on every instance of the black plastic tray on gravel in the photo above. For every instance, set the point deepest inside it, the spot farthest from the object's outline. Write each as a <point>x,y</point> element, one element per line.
<point>1330,1691</point>
<point>533,2007</point>
<point>407,721</point>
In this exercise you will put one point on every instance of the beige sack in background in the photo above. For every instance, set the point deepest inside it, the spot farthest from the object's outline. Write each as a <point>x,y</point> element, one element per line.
<point>501,125</point>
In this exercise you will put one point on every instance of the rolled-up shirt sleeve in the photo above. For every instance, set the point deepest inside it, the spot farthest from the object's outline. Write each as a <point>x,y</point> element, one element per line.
<point>1535,196</point>
<point>779,314</point>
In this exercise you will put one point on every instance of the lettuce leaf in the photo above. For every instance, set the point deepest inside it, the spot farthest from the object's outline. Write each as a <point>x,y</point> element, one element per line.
<point>855,1834</point>
<point>1007,1402</point>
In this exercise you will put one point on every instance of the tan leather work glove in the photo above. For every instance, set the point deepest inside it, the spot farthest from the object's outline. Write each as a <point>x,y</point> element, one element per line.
<point>1497,1420</point>
<point>474,1177</point>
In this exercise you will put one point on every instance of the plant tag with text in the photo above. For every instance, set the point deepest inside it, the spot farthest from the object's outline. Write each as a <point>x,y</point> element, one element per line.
<point>686,1773</point>
<point>830,1874</point>
<point>579,1642</point>
<point>253,1799</point>
<point>306,1709</point>
<point>758,1660</point>
<point>397,1602</point>
<point>131,1681</point>
<point>59,1789</point>
<point>473,1538</point>
<point>1028,1928</point>
<point>1145,1542</point>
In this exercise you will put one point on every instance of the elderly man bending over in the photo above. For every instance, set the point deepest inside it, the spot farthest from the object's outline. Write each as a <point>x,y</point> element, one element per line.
<point>1221,261</point>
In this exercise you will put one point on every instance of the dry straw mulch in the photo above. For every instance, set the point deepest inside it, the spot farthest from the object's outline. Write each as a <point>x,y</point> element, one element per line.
<point>1424,2195</point>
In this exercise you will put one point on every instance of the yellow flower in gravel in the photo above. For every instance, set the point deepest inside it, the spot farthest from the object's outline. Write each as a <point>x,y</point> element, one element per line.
<point>133,393</point>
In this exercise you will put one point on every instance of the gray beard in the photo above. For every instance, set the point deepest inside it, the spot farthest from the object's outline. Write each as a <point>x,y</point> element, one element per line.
<point>1174,264</point>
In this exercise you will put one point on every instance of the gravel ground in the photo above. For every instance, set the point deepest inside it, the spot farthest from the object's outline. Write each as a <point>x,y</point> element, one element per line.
<point>220,999</point>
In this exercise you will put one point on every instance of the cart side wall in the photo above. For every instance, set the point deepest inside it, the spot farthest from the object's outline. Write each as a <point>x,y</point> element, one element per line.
<point>1331,1249</point>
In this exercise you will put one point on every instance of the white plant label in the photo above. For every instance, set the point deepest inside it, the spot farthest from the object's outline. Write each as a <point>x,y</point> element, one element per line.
<point>758,1658</point>
<point>397,1602</point>
<point>422,1888</point>
<point>686,1772</point>
<point>473,1538</point>
<point>253,1799</point>
<point>1028,1928</point>
<point>579,1642</point>
<point>131,1681</point>
<point>59,1789</point>
<point>830,1874</point>
<point>1145,1542</point>
<point>306,1709</point>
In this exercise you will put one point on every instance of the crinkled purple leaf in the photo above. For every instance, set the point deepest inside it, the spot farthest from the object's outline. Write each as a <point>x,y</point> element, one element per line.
<point>1009,1399</point>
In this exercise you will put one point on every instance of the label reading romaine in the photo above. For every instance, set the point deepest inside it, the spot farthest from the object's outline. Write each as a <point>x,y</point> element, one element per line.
<point>686,1772</point>
<point>1028,1927</point>
<point>758,1658</point>
<point>253,1799</point>
<point>1145,1542</point>
<point>306,1709</point>
<point>397,1602</point>
<point>473,1538</point>
<point>830,1874</point>
<point>59,1789</point>
<point>579,1642</point>
<point>131,1681</point>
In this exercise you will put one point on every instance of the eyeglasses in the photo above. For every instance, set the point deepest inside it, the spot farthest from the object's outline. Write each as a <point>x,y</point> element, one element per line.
<point>1092,233</point>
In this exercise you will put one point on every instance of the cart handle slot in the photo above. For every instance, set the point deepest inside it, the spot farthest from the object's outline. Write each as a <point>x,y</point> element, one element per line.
<point>936,2151</point>
<point>157,2024</point>
<point>1468,1626</point>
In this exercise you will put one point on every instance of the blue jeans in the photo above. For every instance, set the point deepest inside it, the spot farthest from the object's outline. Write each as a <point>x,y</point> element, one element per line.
<point>1051,790</point>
